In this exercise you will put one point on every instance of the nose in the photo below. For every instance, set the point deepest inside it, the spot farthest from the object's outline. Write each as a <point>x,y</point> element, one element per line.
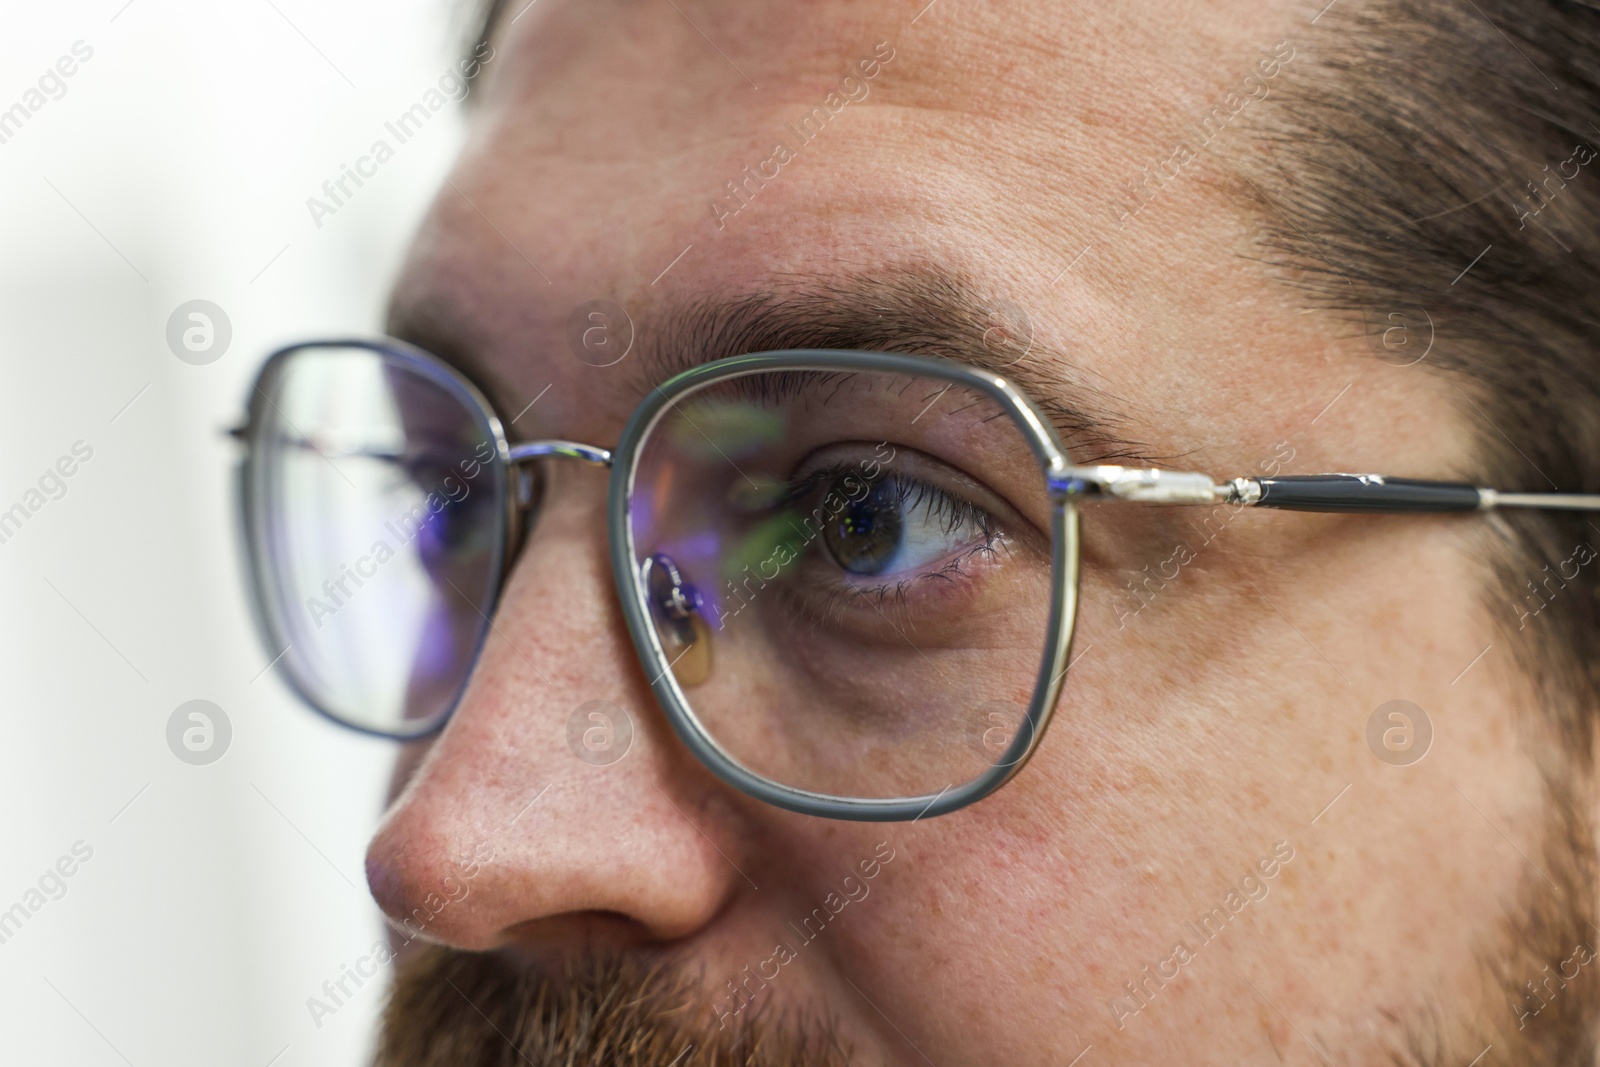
<point>556,810</point>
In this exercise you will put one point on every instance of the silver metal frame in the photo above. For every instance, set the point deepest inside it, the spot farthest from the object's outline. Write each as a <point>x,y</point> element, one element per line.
<point>1067,485</point>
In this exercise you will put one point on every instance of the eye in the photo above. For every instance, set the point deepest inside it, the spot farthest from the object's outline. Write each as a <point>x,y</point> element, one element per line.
<point>899,524</point>
<point>442,512</point>
<point>457,528</point>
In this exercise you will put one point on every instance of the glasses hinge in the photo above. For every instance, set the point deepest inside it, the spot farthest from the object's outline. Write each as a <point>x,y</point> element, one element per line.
<point>1141,485</point>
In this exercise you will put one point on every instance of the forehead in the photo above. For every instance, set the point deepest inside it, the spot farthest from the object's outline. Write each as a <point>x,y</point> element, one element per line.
<point>671,156</point>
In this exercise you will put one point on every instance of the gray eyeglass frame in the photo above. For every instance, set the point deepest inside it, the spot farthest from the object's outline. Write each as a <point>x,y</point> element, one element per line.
<point>1057,473</point>
<point>1066,485</point>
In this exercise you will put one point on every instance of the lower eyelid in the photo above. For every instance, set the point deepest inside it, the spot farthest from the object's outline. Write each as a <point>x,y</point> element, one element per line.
<point>901,588</point>
<point>939,568</point>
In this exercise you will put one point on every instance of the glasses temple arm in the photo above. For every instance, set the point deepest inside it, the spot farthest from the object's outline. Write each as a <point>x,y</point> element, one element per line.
<point>1374,493</point>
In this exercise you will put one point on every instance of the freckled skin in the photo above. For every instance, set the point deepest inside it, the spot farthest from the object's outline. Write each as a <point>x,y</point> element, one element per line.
<point>1219,721</point>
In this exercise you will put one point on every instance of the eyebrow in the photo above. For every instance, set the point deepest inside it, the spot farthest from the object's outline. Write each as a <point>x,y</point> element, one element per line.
<point>920,312</point>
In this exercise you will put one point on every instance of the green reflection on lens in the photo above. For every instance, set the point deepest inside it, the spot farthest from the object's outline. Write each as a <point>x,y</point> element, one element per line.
<point>729,431</point>
<point>776,543</point>
<point>752,494</point>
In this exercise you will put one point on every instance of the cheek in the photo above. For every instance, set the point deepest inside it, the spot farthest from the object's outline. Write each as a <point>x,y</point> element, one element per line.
<point>988,917</point>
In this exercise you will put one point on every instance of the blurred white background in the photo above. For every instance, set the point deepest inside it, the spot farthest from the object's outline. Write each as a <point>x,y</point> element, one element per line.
<point>176,166</point>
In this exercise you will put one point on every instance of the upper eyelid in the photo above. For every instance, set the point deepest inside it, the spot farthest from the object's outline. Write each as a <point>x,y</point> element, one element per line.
<point>797,490</point>
<point>962,509</point>
<point>958,484</point>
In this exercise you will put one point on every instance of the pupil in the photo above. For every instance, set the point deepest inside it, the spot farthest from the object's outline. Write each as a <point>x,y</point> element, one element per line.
<point>867,533</point>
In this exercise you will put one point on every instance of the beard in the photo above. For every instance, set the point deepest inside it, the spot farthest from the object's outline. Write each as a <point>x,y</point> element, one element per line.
<point>1538,987</point>
<point>450,1008</point>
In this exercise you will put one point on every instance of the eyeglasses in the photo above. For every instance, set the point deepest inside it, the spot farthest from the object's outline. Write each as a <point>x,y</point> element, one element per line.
<point>850,577</point>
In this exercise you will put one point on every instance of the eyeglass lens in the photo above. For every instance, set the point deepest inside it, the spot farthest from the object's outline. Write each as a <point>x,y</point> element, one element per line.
<point>377,521</point>
<point>850,574</point>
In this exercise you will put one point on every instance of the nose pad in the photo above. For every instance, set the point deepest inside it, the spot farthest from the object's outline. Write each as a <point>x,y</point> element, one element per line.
<point>675,607</point>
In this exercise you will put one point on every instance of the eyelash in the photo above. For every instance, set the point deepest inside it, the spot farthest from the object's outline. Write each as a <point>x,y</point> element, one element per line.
<point>955,512</point>
<point>953,507</point>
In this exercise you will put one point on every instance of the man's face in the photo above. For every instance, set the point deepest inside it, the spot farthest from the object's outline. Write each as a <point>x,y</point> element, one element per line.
<point>1205,861</point>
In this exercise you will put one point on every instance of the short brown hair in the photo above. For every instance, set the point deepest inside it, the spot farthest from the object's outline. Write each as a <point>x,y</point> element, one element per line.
<point>1433,165</point>
<point>1425,175</point>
